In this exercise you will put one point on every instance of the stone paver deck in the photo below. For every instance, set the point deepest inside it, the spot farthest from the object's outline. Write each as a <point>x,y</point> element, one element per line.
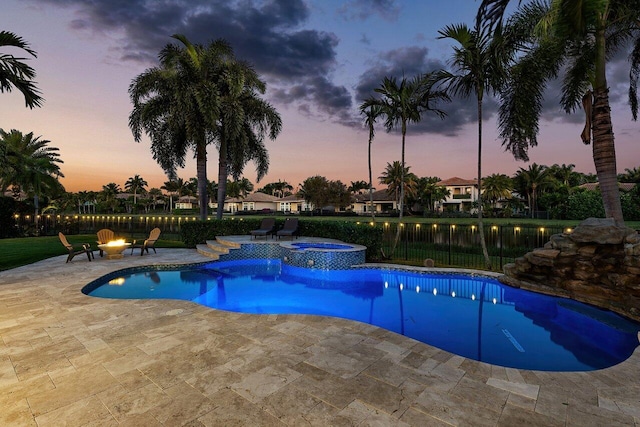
<point>70,359</point>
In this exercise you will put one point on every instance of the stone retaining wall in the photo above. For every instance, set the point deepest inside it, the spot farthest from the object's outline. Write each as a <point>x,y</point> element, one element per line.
<point>597,263</point>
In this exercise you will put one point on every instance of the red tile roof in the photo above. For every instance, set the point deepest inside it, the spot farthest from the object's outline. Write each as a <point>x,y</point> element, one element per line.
<point>457,181</point>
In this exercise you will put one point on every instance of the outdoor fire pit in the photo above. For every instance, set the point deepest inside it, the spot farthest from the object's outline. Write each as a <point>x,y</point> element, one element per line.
<point>114,248</point>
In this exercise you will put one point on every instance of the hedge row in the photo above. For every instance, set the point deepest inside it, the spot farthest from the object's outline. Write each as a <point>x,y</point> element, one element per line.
<point>197,232</point>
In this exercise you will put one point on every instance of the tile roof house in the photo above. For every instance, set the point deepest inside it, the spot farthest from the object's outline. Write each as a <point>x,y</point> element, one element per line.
<point>382,202</point>
<point>594,186</point>
<point>463,193</point>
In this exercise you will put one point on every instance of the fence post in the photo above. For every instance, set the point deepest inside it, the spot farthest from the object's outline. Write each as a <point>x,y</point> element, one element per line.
<point>406,241</point>
<point>501,246</point>
<point>450,244</point>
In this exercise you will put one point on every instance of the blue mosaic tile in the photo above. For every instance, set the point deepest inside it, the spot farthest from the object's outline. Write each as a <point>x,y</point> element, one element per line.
<point>318,259</point>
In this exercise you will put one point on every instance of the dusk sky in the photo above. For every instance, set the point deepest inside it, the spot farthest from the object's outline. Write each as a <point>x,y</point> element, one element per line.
<point>319,58</point>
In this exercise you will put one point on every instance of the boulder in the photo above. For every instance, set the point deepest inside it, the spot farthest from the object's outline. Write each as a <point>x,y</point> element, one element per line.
<point>602,231</point>
<point>599,263</point>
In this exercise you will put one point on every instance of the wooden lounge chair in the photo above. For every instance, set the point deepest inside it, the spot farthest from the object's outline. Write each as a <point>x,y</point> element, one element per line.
<point>105,236</point>
<point>290,228</point>
<point>148,243</point>
<point>267,226</point>
<point>75,249</point>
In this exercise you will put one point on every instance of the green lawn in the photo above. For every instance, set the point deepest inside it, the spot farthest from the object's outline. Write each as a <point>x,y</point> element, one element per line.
<point>23,251</point>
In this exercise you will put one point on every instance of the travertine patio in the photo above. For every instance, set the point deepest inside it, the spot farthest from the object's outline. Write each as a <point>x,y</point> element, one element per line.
<point>70,359</point>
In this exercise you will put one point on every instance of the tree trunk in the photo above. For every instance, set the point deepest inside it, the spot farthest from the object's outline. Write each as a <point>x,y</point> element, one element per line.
<point>222,177</point>
<point>401,204</point>
<point>604,150</point>
<point>373,214</point>
<point>201,171</point>
<point>483,243</point>
<point>36,204</point>
<point>604,156</point>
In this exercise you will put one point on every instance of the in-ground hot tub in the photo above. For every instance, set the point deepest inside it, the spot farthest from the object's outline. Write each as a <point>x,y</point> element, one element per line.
<point>326,255</point>
<point>307,252</point>
<point>321,245</point>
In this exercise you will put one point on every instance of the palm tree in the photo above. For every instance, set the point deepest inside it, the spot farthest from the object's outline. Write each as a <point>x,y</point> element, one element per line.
<point>212,190</point>
<point>245,121</point>
<point>428,192</point>
<point>404,103</point>
<point>497,187</point>
<point>576,37</point>
<point>480,63</point>
<point>135,184</point>
<point>565,175</point>
<point>178,105</point>
<point>172,187</point>
<point>31,165</point>
<point>371,111</point>
<point>15,73</point>
<point>155,194</point>
<point>108,195</point>
<point>631,175</point>
<point>281,188</point>
<point>393,176</point>
<point>530,182</point>
<point>244,186</point>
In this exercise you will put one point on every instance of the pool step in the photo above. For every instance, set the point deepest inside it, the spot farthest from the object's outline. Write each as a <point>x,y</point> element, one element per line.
<point>222,240</point>
<point>208,252</point>
<point>215,248</point>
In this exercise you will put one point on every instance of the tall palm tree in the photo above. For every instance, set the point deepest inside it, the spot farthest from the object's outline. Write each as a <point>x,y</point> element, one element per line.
<point>403,103</point>
<point>31,165</point>
<point>371,111</point>
<point>480,63</point>
<point>135,183</point>
<point>15,73</point>
<point>577,38</point>
<point>245,121</point>
<point>177,105</point>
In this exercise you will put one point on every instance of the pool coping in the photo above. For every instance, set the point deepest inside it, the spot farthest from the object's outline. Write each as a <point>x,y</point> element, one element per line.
<point>67,356</point>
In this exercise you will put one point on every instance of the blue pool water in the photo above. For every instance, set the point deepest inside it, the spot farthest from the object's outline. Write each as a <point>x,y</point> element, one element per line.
<point>320,246</point>
<point>475,317</point>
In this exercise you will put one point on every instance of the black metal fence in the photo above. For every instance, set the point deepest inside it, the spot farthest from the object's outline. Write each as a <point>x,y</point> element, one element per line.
<point>456,245</point>
<point>122,225</point>
<point>459,245</point>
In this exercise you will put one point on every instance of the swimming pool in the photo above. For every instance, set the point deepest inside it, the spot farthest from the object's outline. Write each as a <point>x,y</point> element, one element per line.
<point>475,317</point>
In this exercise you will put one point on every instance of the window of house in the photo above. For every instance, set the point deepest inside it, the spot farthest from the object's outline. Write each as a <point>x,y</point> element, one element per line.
<point>285,206</point>
<point>248,206</point>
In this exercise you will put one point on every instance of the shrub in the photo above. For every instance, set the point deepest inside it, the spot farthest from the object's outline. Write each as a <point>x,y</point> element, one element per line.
<point>196,232</point>
<point>585,204</point>
<point>8,227</point>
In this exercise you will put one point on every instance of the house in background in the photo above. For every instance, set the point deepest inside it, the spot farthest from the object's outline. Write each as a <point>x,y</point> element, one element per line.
<point>463,193</point>
<point>258,202</point>
<point>382,202</point>
<point>186,202</point>
<point>293,204</point>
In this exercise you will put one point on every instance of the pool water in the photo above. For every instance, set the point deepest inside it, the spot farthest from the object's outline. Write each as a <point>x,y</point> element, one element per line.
<point>320,246</point>
<point>474,317</point>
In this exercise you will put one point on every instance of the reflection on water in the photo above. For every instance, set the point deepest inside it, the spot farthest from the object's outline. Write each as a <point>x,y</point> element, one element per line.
<point>474,317</point>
